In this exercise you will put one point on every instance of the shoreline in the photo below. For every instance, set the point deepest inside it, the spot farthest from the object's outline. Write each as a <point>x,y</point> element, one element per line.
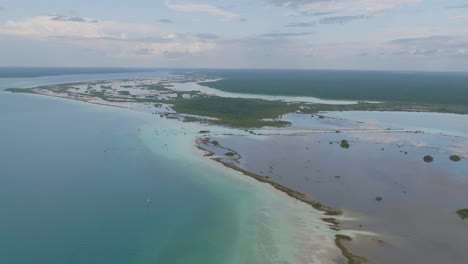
<point>334,224</point>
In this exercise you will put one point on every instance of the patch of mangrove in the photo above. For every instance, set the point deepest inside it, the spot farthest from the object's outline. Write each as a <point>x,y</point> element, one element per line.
<point>428,158</point>
<point>463,213</point>
<point>344,144</point>
<point>455,158</point>
<point>236,112</point>
<point>352,258</point>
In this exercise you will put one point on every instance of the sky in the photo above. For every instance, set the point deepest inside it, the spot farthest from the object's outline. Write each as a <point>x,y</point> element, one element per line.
<point>423,35</point>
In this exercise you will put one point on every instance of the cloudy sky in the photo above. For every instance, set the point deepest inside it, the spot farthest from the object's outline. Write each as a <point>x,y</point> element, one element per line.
<point>315,34</point>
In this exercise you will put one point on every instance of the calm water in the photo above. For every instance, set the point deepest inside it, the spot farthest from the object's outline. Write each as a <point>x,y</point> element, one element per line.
<point>73,186</point>
<point>416,219</point>
<point>74,180</point>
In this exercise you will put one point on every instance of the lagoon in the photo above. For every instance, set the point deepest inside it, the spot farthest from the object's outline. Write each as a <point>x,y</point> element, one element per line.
<point>74,179</point>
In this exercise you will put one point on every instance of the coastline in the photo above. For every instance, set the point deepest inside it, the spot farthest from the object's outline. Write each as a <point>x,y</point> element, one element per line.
<point>291,194</point>
<point>331,213</point>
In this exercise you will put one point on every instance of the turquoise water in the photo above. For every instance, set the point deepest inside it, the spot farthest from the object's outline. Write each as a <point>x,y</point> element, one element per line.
<point>75,177</point>
<point>74,185</point>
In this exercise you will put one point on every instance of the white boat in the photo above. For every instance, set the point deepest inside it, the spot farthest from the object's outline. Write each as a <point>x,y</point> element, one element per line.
<point>148,201</point>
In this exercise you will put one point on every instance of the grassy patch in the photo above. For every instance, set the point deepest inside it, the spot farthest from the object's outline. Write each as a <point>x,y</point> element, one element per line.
<point>230,154</point>
<point>351,258</point>
<point>455,158</point>
<point>344,144</point>
<point>428,158</point>
<point>157,87</point>
<point>379,199</point>
<point>236,112</point>
<point>19,90</point>
<point>463,213</point>
<point>124,93</point>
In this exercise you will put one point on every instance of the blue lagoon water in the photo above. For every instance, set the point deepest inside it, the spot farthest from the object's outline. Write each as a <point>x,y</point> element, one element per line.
<point>75,177</point>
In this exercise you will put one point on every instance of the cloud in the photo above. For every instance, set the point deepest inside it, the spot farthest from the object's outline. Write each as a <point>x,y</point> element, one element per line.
<point>309,13</point>
<point>118,39</point>
<point>202,8</point>
<point>286,34</point>
<point>207,36</point>
<point>143,51</point>
<point>53,25</point>
<point>301,24</point>
<point>458,6</point>
<point>72,19</point>
<point>422,40</point>
<point>429,45</point>
<point>166,20</point>
<point>348,6</point>
<point>341,19</point>
<point>425,52</point>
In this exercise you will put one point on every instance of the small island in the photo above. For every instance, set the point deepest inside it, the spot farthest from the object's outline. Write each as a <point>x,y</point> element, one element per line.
<point>428,158</point>
<point>344,144</point>
<point>463,213</point>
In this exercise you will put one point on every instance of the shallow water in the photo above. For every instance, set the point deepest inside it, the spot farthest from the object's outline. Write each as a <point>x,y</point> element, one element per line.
<point>450,124</point>
<point>191,86</point>
<point>416,219</point>
<point>74,180</point>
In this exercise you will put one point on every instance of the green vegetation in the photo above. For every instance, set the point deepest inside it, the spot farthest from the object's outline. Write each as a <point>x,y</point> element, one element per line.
<point>158,87</point>
<point>455,158</point>
<point>236,112</point>
<point>379,199</point>
<point>124,93</point>
<point>193,119</point>
<point>463,213</point>
<point>388,106</point>
<point>214,142</point>
<point>351,258</point>
<point>19,90</point>
<point>230,154</point>
<point>204,131</point>
<point>428,158</point>
<point>344,144</point>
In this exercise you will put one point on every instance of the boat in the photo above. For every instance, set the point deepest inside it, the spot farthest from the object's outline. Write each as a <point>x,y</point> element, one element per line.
<point>148,201</point>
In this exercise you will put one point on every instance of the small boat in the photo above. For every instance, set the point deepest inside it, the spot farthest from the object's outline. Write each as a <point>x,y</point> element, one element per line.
<point>148,201</point>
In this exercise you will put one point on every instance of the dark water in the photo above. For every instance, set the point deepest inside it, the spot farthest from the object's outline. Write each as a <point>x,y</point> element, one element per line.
<point>24,72</point>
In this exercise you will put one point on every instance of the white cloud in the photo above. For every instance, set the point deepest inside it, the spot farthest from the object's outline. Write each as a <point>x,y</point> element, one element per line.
<point>51,25</point>
<point>116,39</point>
<point>347,6</point>
<point>202,8</point>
